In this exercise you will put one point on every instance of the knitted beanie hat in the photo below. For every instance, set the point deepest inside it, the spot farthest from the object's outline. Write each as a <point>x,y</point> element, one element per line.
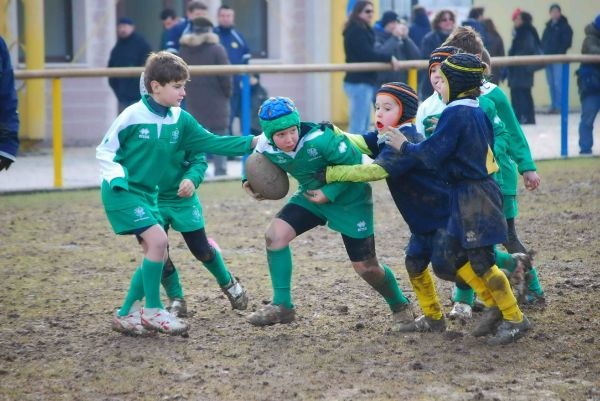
<point>440,54</point>
<point>463,72</point>
<point>406,98</point>
<point>276,114</point>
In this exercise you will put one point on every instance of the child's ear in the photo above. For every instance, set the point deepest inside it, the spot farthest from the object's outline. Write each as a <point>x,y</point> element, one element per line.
<point>155,85</point>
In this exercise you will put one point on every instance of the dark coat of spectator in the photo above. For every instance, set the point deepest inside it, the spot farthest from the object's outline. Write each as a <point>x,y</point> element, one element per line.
<point>194,9</point>
<point>526,42</point>
<point>130,51</point>
<point>207,95</point>
<point>420,25</point>
<point>474,20</point>
<point>9,117</point>
<point>359,44</point>
<point>557,37</point>
<point>443,23</point>
<point>588,81</point>
<point>403,48</point>
<point>495,47</point>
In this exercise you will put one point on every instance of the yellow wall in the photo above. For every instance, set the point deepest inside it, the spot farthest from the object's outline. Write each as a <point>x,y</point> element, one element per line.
<point>578,12</point>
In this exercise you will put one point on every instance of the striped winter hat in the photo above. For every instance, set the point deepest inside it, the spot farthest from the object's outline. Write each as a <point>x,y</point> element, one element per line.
<point>406,98</point>
<point>463,73</point>
<point>440,54</point>
<point>276,114</point>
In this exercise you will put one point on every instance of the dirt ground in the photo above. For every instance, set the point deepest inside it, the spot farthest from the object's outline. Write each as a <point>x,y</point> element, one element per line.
<point>63,273</point>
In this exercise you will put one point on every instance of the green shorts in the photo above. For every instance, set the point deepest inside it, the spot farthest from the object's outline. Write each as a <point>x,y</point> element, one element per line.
<point>128,211</point>
<point>182,218</point>
<point>511,210</point>
<point>352,218</point>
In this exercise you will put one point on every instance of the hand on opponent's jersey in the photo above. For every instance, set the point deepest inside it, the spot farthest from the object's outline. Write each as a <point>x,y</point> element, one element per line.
<point>395,139</point>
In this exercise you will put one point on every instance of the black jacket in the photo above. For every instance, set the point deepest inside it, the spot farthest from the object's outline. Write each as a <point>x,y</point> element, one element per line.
<point>431,41</point>
<point>525,42</point>
<point>401,48</point>
<point>557,37</point>
<point>359,45</point>
<point>131,51</point>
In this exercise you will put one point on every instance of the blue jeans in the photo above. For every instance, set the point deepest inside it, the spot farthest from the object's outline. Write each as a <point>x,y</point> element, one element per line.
<point>590,105</point>
<point>554,79</point>
<point>360,97</point>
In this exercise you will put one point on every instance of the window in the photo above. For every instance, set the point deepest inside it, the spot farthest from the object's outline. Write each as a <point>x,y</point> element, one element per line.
<point>251,21</point>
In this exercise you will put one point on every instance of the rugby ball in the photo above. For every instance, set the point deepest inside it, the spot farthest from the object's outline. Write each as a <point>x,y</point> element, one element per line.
<point>265,178</point>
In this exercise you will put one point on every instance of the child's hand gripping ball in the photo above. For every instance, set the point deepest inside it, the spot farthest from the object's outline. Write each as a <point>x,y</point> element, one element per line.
<point>265,178</point>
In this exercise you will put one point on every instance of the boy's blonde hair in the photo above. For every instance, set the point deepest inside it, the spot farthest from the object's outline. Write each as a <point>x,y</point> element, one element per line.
<point>466,39</point>
<point>164,67</point>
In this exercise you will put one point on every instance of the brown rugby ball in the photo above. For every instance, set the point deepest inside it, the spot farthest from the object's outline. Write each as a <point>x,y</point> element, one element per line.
<point>265,178</point>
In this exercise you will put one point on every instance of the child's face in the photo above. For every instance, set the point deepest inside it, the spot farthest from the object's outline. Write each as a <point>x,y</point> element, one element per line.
<point>286,139</point>
<point>387,112</point>
<point>444,89</point>
<point>170,95</point>
<point>435,77</point>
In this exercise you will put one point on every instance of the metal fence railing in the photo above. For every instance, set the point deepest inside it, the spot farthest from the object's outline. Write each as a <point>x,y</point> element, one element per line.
<point>412,65</point>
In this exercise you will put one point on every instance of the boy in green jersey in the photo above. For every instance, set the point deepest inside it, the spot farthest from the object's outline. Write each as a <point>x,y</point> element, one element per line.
<point>132,156</point>
<point>302,149</point>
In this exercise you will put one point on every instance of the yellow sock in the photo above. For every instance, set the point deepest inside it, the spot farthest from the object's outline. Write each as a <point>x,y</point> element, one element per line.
<point>499,286</point>
<point>426,294</point>
<point>468,275</point>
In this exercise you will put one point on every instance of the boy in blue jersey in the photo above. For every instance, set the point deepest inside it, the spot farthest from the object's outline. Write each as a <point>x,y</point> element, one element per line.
<point>461,150</point>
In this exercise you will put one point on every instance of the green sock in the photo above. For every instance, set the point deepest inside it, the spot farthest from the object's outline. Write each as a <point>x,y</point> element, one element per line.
<point>152,273</point>
<point>505,261</point>
<point>280,268</point>
<point>172,285</point>
<point>136,292</point>
<point>534,284</point>
<point>463,295</point>
<point>390,290</point>
<point>218,269</point>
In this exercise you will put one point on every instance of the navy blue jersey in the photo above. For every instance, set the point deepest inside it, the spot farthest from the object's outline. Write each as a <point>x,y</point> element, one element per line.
<point>420,195</point>
<point>461,146</point>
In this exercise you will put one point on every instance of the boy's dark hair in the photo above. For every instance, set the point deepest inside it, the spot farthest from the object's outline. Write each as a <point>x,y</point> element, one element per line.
<point>224,7</point>
<point>167,13</point>
<point>164,67</point>
<point>196,5</point>
<point>465,38</point>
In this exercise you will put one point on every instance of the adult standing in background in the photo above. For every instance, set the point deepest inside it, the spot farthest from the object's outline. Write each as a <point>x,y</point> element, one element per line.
<point>207,95</point>
<point>195,9</point>
<point>443,24</point>
<point>556,39</point>
<point>359,45</point>
<point>131,50</point>
<point>495,47</point>
<point>526,42</point>
<point>237,51</point>
<point>419,26</point>
<point>588,80</point>
<point>475,21</point>
<point>169,19</point>
<point>9,116</point>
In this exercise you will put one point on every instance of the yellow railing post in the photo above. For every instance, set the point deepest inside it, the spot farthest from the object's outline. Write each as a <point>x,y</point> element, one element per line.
<point>412,78</point>
<point>35,111</point>
<point>57,142</point>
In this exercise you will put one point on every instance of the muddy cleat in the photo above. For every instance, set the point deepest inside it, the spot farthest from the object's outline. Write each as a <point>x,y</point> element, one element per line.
<point>272,314</point>
<point>162,321</point>
<point>130,324</point>
<point>509,332</point>
<point>460,311</point>
<point>491,318</point>
<point>533,298</point>
<point>177,307</point>
<point>403,317</point>
<point>422,324</point>
<point>238,298</point>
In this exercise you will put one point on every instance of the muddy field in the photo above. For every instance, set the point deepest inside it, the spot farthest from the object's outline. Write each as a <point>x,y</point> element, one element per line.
<point>63,273</point>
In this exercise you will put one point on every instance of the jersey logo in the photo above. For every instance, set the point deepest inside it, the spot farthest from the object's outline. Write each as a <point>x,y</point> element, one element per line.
<point>471,236</point>
<point>195,214</point>
<point>174,136</point>
<point>312,152</point>
<point>140,213</point>
<point>361,226</point>
<point>343,147</point>
<point>144,133</point>
<point>234,45</point>
<point>280,159</point>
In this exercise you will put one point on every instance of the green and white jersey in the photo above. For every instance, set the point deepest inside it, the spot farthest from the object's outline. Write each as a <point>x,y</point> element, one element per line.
<point>183,165</point>
<point>140,143</point>
<point>319,146</point>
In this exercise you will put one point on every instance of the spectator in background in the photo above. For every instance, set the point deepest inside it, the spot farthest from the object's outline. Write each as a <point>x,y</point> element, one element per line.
<point>419,26</point>
<point>359,45</point>
<point>195,9</point>
<point>556,39</point>
<point>588,80</point>
<point>443,24</point>
<point>258,94</point>
<point>9,115</point>
<point>207,95</point>
<point>237,50</point>
<point>392,38</point>
<point>520,78</point>
<point>495,47</point>
<point>475,21</point>
<point>169,19</point>
<point>131,50</point>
